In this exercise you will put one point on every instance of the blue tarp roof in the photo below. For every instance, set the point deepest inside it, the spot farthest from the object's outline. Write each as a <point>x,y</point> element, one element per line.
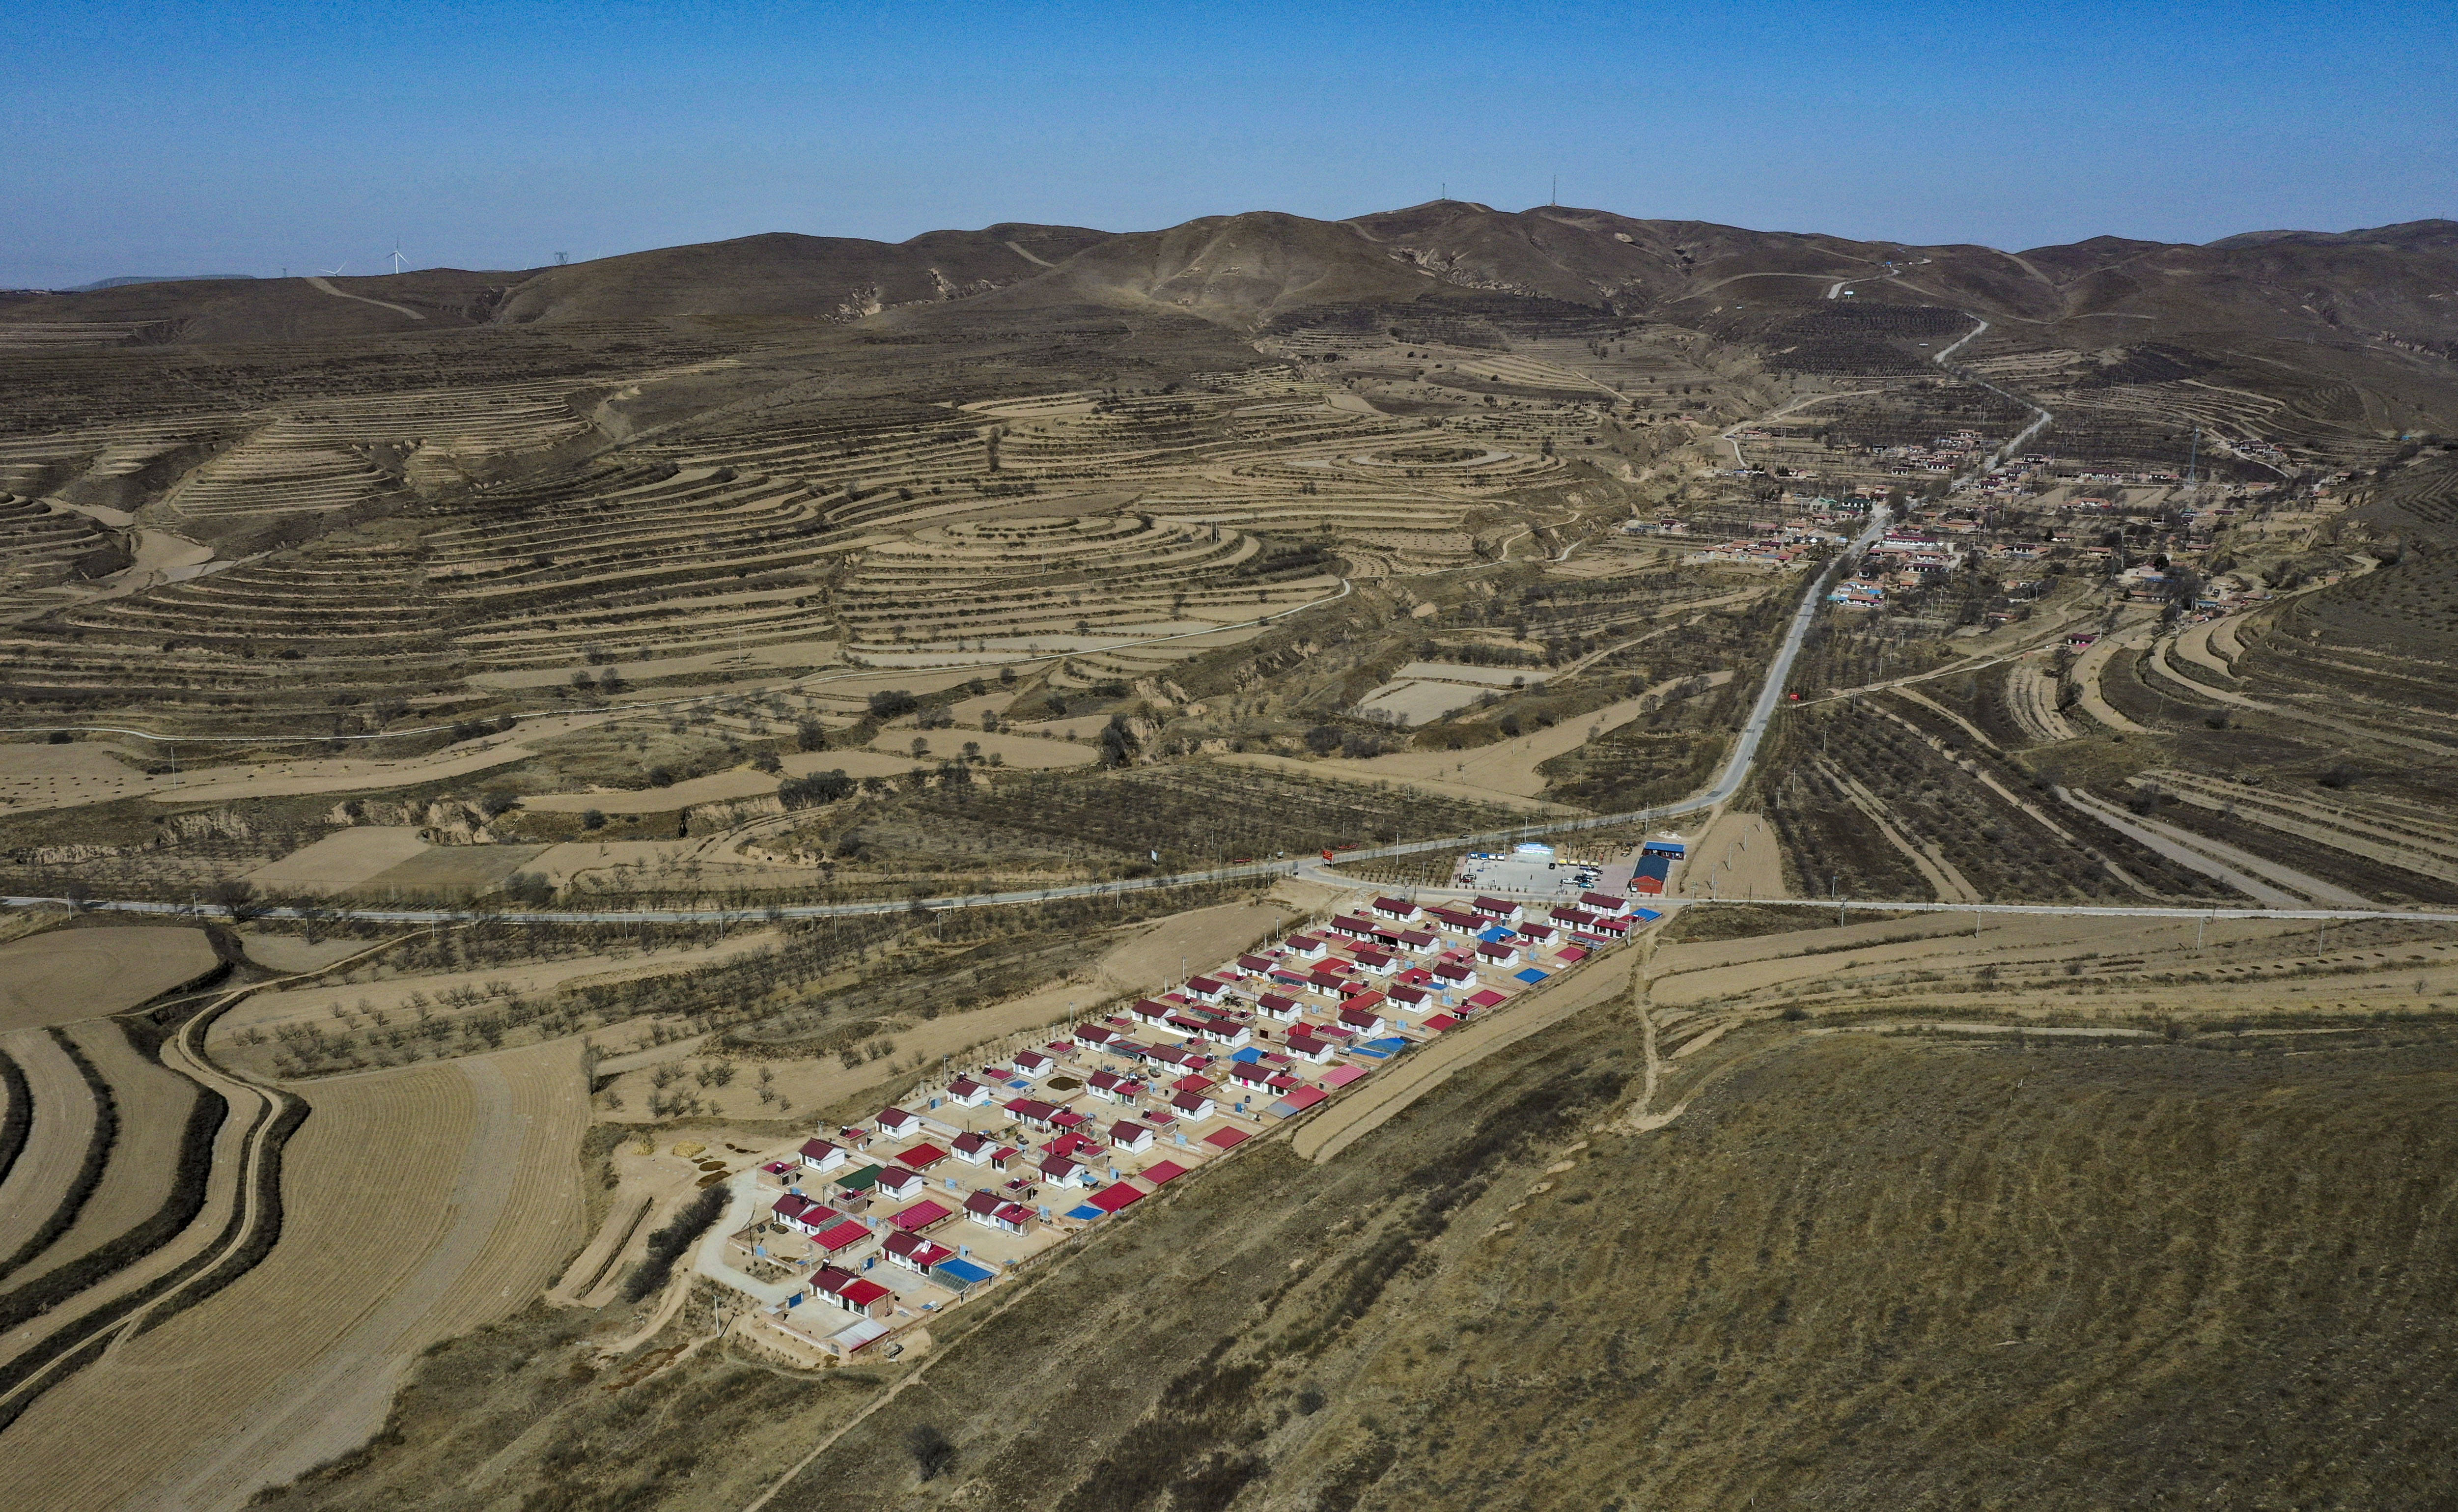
<point>1664,848</point>
<point>1495,935</point>
<point>1532,976</point>
<point>1650,915</point>
<point>964,1271</point>
<point>1658,867</point>
<point>1086,1212</point>
<point>1249,1055</point>
<point>1370,1053</point>
<point>1390,1044</point>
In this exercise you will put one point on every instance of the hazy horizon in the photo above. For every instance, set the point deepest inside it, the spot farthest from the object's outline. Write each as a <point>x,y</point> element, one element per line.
<point>202,139</point>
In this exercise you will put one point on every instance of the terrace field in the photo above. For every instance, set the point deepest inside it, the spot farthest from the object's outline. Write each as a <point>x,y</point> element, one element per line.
<point>579,715</point>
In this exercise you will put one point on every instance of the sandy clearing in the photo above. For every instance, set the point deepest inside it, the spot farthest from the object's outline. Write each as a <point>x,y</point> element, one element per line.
<point>269,1011</point>
<point>45,762</point>
<point>1389,1091</point>
<point>64,975</point>
<point>153,1105</point>
<point>55,1146</point>
<point>1144,962</point>
<point>1736,856</point>
<point>342,860</point>
<point>1361,772</point>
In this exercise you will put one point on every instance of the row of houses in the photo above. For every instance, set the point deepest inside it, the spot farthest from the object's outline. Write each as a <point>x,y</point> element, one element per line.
<point>1103,1116</point>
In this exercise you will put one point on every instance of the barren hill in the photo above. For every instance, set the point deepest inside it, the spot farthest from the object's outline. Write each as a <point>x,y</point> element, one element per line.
<point>783,274</point>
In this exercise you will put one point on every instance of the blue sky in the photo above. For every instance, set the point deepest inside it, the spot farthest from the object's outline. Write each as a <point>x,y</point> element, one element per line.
<point>189,137</point>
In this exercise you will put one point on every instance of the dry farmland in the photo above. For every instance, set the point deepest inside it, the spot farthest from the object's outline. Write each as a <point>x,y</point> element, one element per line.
<point>496,695</point>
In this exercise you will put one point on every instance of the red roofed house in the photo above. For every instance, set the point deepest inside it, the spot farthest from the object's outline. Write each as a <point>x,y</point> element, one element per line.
<point>1353,927</point>
<point>1094,1035</point>
<point>1148,1011</point>
<point>1205,989</point>
<point>1252,1077</point>
<point>821,1155</point>
<point>1358,1021</point>
<point>1409,997</point>
<point>922,1217</point>
<point>1497,953</point>
<point>965,1092</point>
<point>1376,963</point>
<point>1454,974</point>
<point>1193,1107</point>
<point>1280,1009</point>
<point>838,1237</point>
<point>896,1121</point>
<point>1253,965</point>
<point>1416,941</point>
<point>899,1183</point>
<point>1498,909</point>
<point>1397,908</point>
<point>802,1214</point>
<point>1305,948</point>
<point>1033,1066</point>
<point>993,1212</point>
<point>1604,903</point>
<point>1132,1138</point>
<point>921,1157</point>
<point>915,1253</point>
<point>843,1289</point>
<point>1307,1047</point>
<point>974,1150</point>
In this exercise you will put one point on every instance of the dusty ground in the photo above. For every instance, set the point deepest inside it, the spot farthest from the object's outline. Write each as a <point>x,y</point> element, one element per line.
<point>345,858</point>
<point>1736,856</point>
<point>64,975</point>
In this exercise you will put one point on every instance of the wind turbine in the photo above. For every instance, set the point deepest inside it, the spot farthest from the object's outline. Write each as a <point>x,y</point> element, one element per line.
<point>396,254</point>
<point>335,271</point>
